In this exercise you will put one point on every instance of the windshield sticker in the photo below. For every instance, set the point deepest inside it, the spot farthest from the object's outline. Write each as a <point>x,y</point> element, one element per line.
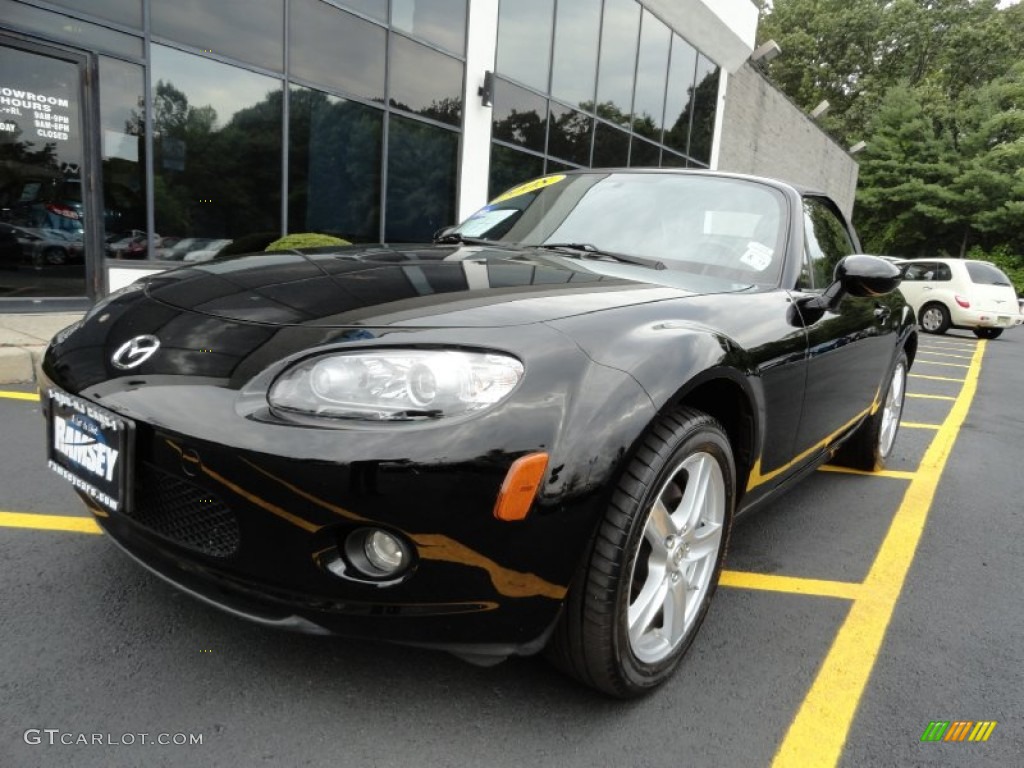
<point>758,255</point>
<point>484,221</point>
<point>530,186</point>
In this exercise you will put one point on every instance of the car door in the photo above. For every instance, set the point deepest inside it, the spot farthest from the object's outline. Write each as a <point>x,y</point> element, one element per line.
<point>849,349</point>
<point>924,281</point>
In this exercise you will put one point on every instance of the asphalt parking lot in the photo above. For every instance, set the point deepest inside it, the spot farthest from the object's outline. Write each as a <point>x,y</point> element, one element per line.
<point>855,611</point>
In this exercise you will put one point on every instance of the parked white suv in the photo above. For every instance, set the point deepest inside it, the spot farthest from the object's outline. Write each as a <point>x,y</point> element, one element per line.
<point>960,293</point>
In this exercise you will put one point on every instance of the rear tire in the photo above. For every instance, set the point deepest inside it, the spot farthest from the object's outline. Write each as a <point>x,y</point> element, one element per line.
<point>647,581</point>
<point>869,447</point>
<point>934,318</point>
<point>988,333</point>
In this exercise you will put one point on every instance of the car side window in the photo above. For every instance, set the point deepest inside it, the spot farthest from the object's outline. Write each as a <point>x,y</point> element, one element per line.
<point>826,239</point>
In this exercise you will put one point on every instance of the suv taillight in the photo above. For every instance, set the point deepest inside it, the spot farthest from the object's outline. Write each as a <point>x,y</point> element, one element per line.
<point>962,301</point>
<point>62,210</point>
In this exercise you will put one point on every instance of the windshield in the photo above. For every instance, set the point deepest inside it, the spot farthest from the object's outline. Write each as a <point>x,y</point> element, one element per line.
<point>724,228</point>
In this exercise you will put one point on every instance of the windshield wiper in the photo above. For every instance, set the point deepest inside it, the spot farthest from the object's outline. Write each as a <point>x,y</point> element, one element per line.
<point>588,251</point>
<point>453,238</point>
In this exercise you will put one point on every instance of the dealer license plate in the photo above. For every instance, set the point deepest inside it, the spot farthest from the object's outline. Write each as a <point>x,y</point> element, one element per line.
<point>89,447</point>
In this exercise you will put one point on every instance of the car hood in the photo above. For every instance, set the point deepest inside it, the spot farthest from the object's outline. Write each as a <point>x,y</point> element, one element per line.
<point>414,286</point>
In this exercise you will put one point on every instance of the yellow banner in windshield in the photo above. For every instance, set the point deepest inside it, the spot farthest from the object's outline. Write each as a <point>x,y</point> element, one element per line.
<point>530,186</point>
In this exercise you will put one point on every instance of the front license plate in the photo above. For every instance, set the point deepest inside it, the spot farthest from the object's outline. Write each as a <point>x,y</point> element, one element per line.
<point>89,447</point>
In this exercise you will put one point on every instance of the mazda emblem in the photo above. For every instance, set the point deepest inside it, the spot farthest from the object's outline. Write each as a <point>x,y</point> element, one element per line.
<point>135,352</point>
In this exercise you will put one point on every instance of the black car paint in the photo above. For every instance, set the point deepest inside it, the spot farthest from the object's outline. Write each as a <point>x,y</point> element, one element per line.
<point>603,356</point>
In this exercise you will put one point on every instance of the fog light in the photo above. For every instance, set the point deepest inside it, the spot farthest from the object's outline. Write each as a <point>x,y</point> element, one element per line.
<point>378,554</point>
<point>384,552</point>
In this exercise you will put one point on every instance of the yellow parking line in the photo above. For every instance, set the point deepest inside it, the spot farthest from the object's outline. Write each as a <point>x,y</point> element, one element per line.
<point>894,473</point>
<point>919,361</point>
<point>19,395</point>
<point>930,397</point>
<point>791,584</point>
<point>918,425</point>
<point>821,726</point>
<point>935,378</point>
<point>72,523</point>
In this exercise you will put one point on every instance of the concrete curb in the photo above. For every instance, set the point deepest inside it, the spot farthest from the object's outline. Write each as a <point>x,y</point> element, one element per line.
<point>18,364</point>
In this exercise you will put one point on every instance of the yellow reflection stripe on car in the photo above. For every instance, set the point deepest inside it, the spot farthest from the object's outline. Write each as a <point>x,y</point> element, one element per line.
<point>71,523</point>
<point>821,726</point>
<point>920,361</point>
<point>935,378</point>
<point>757,478</point>
<point>439,547</point>
<point>792,584</point>
<point>341,511</point>
<point>252,497</point>
<point>508,582</point>
<point>32,396</point>
<point>930,397</point>
<point>893,473</point>
<point>918,425</point>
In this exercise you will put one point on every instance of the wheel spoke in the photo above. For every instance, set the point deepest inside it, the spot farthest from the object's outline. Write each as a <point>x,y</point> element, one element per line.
<point>687,515</point>
<point>675,610</point>
<point>659,528</point>
<point>648,604</point>
<point>705,542</point>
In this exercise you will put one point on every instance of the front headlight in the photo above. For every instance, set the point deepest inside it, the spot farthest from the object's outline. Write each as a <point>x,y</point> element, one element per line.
<point>396,385</point>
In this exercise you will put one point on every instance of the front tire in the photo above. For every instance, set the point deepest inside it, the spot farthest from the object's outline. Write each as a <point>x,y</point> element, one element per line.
<point>934,318</point>
<point>988,333</point>
<point>869,447</point>
<point>648,580</point>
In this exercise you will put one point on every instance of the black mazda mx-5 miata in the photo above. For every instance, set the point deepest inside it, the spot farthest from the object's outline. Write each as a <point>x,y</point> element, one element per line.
<point>533,433</point>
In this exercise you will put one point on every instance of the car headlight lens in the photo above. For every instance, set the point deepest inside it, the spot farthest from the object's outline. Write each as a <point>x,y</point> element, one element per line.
<point>396,385</point>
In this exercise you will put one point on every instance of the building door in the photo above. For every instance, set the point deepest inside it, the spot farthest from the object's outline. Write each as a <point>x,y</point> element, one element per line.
<point>47,205</point>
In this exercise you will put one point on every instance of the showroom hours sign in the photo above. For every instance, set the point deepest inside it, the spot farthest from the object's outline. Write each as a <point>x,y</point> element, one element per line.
<point>37,114</point>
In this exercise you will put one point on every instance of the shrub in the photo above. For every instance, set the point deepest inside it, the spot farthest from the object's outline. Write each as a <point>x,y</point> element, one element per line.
<point>305,240</point>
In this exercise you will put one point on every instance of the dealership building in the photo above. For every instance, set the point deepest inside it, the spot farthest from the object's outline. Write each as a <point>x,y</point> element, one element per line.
<point>134,132</point>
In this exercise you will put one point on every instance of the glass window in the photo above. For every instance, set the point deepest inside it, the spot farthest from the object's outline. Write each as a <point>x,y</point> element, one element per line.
<point>375,9</point>
<point>574,71</point>
<point>985,274</point>
<point>553,166</point>
<point>520,116</point>
<point>651,72</point>
<point>672,160</point>
<point>217,148</point>
<point>827,240</point>
<point>611,147</point>
<point>56,26</point>
<point>679,98</point>
<point>422,178</point>
<point>424,81</point>
<point>442,22</point>
<point>357,49</point>
<point>251,32</point>
<point>123,127</point>
<point>927,270</point>
<point>122,11</point>
<point>705,102</point>
<point>334,166</point>
<point>569,134</point>
<point>643,154</point>
<point>509,168</point>
<point>524,41</point>
<point>619,35</point>
<point>42,235</point>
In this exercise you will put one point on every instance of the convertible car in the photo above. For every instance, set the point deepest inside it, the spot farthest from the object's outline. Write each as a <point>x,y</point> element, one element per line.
<point>533,434</point>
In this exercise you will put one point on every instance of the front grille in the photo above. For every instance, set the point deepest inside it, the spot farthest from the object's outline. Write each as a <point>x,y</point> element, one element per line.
<point>184,513</point>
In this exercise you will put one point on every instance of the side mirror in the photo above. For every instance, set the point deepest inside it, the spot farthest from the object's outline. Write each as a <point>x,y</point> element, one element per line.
<point>858,275</point>
<point>862,275</point>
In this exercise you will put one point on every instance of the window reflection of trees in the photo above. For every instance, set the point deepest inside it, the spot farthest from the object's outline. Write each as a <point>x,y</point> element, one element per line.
<point>215,181</point>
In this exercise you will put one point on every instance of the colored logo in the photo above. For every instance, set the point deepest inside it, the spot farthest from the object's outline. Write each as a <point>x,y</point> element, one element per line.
<point>134,353</point>
<point>959,730</point>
